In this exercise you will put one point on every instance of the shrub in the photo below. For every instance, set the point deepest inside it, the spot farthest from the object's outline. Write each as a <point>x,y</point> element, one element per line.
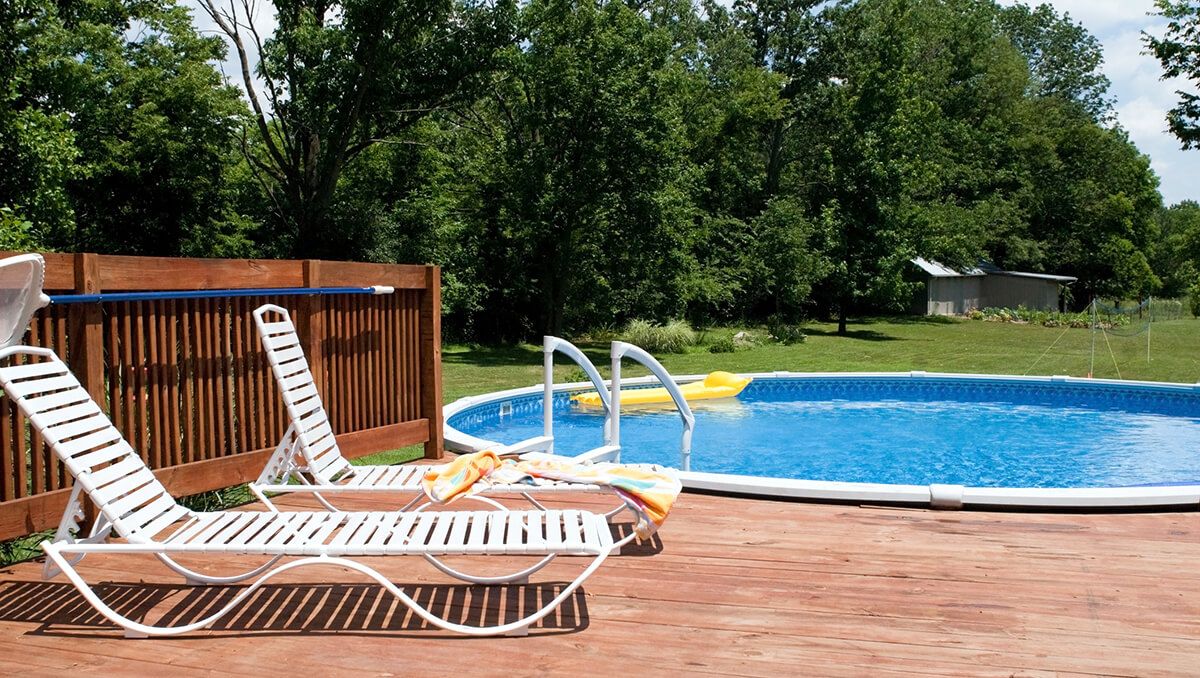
<point>725,345</point>
<point>1170,309</point>
<point>1045,318</point>
<point>1194,298</point>
<point>577,374</point>
<point>674,337</point>
<point>784,332</point>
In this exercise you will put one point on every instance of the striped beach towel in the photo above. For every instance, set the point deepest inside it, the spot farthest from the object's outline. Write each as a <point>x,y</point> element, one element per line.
<point>650,493</point>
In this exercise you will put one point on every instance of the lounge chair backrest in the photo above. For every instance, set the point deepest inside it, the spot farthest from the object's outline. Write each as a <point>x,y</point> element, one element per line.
<point>21,295</point>
<point>310,423</point>
<point>84,439</point>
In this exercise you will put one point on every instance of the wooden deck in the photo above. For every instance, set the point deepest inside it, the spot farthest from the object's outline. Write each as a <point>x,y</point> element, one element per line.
<point>734,587</point>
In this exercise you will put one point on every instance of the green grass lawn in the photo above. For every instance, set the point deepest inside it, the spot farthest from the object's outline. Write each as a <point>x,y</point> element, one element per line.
<point>885,345</point>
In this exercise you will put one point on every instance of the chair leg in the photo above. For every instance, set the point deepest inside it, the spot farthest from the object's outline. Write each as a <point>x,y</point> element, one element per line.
<point>621,507</point>
<point>194,578</point>
<point>135,629</point>
<point>519,577</point>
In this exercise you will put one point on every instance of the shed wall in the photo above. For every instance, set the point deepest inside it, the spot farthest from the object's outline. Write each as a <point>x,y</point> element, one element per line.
<point>953,296</point>
<point>1007,291</point>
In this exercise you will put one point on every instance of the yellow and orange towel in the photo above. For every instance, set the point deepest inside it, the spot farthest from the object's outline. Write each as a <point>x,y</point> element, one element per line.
<point>649,493</point>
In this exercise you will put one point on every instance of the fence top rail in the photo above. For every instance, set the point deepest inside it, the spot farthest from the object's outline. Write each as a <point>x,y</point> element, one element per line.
<point>214,294</point>
<point>139,274</point>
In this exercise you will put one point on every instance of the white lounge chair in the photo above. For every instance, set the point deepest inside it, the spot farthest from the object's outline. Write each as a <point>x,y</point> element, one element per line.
<point>134,505</point>
<point>312,463</point>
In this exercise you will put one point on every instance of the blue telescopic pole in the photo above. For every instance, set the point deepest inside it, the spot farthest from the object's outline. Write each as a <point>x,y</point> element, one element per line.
<point>211,294</point>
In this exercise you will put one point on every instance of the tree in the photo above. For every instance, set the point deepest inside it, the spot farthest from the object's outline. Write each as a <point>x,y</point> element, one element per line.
<point>37,146</point>
<point>782,35</point>
<point>908,143</point>
<point>113,139</point>
<point>750,258</point>
<point>1065,60</point>
<point>1092,202</point>
<point>1175,255</point>
<point>338,78</point>
<point>1179,53</point>
<point>586,206</point>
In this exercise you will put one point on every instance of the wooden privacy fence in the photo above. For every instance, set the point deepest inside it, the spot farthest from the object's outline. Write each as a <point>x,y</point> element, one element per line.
<point>187,382</point>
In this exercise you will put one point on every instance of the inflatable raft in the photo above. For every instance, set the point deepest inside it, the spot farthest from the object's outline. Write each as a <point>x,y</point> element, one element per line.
<point>715,385</point>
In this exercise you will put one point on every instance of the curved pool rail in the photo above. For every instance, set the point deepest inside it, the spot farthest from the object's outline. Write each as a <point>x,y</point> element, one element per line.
<point>622,350</point>
<point>549,346</point>
<point>935,495</point>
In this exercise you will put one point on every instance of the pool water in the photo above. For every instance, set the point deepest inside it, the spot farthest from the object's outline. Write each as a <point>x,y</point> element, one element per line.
<point>901,431</point>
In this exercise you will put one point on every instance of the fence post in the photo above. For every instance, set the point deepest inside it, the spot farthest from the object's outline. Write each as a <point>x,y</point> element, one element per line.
<point>311,324</point>
<point>85,340</point>
<point>431,360</point>
<point>86,350</point>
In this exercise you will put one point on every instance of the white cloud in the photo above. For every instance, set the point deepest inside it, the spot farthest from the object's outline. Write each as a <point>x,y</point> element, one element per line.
<point>1102,15</point>
<point>1144,119</point>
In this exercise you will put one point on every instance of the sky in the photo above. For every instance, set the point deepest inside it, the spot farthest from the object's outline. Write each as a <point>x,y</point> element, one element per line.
<point>1142,97</point>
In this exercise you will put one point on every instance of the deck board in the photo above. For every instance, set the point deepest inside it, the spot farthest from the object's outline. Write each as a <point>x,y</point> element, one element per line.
<point>731,587</point>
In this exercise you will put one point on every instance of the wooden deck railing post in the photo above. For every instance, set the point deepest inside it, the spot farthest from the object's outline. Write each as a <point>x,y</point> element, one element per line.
<point>85,339</point>
<point>431,360</point>
<point>311,325</point>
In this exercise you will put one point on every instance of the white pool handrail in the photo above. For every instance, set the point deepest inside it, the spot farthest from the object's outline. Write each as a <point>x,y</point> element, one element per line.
<point>621,350</point>
<point>549,346</point>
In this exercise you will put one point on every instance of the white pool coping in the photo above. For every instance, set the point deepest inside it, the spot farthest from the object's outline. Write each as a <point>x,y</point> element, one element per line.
<point>935,495</point>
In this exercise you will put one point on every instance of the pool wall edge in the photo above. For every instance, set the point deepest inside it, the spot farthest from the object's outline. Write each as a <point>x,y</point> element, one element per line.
<point>936,495</point>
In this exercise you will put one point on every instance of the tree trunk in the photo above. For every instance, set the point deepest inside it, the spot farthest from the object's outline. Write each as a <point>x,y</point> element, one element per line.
<point>842,306</point>
<point>774,164</point>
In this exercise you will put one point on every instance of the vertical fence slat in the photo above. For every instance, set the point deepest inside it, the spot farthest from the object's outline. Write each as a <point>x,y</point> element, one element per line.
<point>37,465</point>
<point>260,397</point>
<point>153,380</point>
<point>112,333</point>
<point>129,404</point>
<point>203,383</point>
<point>94,378</point>
<point>357,359</point>
<point>21,451</point>
<point>8,471</point>
<point>227,377</point>
<point>13,477</point>
<point>240,321</point>
<point>213,351</point>
<point>187,383</point>
<point>142,390</point>
<point>394,376</point>
<point>338,358</point>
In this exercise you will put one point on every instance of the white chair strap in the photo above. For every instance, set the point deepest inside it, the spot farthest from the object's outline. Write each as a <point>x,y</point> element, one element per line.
<point>83,438</point>
<point>21,279</point>
<point>306,413</point>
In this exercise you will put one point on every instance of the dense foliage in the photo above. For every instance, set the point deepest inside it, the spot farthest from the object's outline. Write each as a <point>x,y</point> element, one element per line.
<point>574,165</point>
<point>1179,52</point>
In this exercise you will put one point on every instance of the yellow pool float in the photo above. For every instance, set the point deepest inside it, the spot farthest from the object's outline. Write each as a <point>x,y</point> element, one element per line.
<point>715,385</point>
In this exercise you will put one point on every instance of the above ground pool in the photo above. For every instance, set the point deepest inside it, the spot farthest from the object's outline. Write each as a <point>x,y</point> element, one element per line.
<point>948,440</point>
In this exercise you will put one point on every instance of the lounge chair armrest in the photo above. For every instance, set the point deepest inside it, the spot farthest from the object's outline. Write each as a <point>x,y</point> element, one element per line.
<point>602,453</point>
<point>536,444</point>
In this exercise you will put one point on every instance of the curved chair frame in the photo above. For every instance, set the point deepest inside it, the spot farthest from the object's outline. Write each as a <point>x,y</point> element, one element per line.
<point>134,505</point>
<point>308,459</point>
